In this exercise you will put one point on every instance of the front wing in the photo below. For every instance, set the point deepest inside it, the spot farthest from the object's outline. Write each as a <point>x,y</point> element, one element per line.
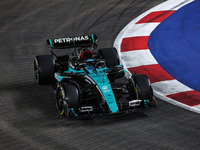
<point>103,110</point>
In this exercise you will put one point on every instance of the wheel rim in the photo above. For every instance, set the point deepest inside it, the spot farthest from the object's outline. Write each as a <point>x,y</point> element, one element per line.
<point>134,88</point>
<point>60,104</point>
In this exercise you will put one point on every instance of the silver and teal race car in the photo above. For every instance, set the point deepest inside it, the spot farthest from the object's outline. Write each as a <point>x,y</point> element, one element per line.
<point>89,83</point>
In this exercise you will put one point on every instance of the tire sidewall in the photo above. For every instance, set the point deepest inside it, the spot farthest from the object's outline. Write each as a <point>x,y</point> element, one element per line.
<point>61,95</point>
<point>44,69</point>
<point>143,86</point>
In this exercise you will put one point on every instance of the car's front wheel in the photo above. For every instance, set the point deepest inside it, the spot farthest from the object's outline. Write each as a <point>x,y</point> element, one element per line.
<point>61,103</point>
<point>68,99</point>
<point>143,90</point>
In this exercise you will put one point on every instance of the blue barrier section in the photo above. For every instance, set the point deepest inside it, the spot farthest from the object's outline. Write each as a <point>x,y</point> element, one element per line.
<point>175,44</point>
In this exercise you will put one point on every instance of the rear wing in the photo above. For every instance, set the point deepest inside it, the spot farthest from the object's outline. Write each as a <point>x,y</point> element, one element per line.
<point>73,42</point>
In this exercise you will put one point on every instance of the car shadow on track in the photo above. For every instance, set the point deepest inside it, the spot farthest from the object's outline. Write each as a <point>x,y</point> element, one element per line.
<point>27,97</point>
<point>102,121</point>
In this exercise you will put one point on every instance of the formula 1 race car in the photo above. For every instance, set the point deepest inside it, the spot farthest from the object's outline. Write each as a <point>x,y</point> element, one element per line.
<point>88,83</point>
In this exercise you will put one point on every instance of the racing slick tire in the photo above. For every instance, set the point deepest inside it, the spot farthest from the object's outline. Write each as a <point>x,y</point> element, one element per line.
<point>67,99</point>
<point>143,86</point>
<point>110,55</point>
<point>61,104</point>
<point>44,68</point>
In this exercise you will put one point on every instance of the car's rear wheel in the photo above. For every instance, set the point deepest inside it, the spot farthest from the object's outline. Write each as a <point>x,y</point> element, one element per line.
<point>44,68</point>
<point>110,55</point>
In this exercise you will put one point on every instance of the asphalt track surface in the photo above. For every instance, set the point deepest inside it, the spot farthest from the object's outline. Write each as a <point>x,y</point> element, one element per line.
<point>28,116</point>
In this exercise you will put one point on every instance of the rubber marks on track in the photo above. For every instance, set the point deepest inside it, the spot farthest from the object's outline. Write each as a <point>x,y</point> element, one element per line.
<point>137,58</point>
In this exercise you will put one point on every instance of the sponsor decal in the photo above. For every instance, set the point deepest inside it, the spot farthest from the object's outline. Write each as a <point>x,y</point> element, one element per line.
<point>134,103</point>
<point>67,40</point>
<point>58,77</point>
<point>105,88</point>
<point>86,109</point>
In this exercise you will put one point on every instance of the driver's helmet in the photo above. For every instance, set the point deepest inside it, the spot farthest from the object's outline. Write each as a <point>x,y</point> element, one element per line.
<point>86,54</point>
<point>89,67</point>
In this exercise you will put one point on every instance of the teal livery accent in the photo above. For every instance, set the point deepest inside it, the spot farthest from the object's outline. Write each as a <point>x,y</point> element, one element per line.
<point>72,109</point>
<point>51,44</point>
<point>93,38</point>
<point>70,70</point>
<point>58,77</point>
<point>102,82</point>
<point>145,104</point>
<point>119,65</point>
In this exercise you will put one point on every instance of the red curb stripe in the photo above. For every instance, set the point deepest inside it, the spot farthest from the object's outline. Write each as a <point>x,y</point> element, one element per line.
<point>190,98</point>
<point>157,16</point>
<point>134,43</point>
<point>155,72</point>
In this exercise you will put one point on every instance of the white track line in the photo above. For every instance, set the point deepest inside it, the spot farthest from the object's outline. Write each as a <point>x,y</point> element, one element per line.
<point>170,87</point>
<point>138,58</point>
